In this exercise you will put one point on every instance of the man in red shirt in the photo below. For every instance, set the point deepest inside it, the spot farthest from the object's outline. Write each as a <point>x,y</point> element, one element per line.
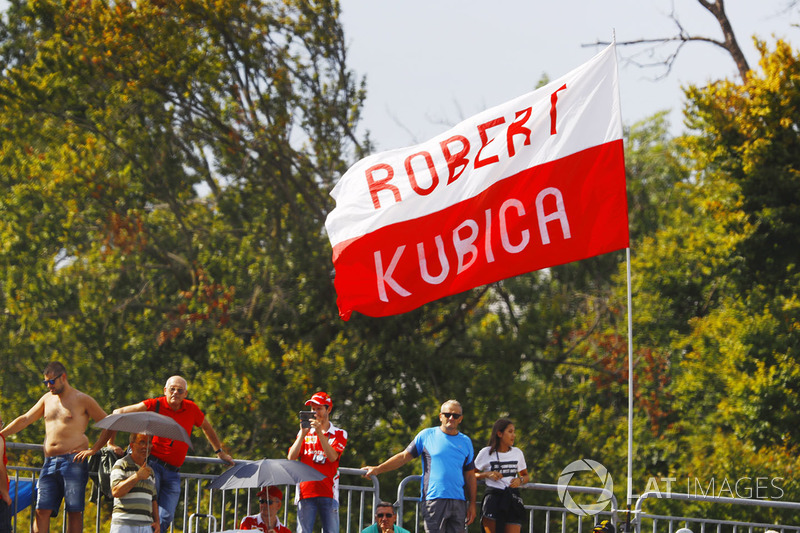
<point>266,520</point>
<point>320,445</point>
<point>166,455</point>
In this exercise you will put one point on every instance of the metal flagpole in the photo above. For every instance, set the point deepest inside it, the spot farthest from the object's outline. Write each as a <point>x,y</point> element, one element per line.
<point>630,357</point>
<point>630,382</point>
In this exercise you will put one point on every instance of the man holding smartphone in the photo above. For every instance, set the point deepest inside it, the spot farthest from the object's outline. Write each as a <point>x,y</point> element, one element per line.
<point>319,445</point>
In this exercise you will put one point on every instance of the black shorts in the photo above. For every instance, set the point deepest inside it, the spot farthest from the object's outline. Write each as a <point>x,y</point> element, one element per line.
<point>503,506</point>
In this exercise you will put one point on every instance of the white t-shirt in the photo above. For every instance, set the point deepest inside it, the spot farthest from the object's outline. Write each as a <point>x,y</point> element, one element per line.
<point>509,463</point>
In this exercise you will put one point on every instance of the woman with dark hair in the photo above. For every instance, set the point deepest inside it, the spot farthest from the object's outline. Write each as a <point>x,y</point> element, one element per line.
<point>503,468</point>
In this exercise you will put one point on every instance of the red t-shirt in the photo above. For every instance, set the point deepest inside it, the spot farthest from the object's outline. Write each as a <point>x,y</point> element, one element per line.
<point>255,522</point>
<point>188,416</point>
<point>313,455</point>
<point>5,461</point>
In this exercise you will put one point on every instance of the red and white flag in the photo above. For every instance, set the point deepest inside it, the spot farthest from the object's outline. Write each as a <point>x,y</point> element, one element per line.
<point>535,182</point>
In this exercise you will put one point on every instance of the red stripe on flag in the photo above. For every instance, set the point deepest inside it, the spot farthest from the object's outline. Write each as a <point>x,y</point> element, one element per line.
<point>551,214</point>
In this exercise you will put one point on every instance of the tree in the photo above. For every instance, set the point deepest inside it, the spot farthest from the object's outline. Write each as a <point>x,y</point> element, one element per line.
<point>728,42</point>
<point>165,168</point>
<point>720,302</point>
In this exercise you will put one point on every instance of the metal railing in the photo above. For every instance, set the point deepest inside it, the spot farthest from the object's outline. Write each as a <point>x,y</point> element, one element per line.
<point>706,525</point>
<point>544,518</point>
<point>358,497</point>
<point>198,502</point>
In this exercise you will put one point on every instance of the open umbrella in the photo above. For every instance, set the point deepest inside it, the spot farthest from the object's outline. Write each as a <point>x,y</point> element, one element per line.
<point>264,472</point>
<point>146,423</point>
<point>255,474</point>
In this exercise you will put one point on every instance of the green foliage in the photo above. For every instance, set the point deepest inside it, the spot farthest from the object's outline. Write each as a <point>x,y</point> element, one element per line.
<point>165,170</point>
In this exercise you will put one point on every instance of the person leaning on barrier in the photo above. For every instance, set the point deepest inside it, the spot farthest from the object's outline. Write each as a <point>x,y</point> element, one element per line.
<point>167,455</point>
<point>66,412</point>
<point>503,467</point>
<point>447,468</point>
<point>385,518</point>
<point>133,486</point>
<point>269,505</point>
<point>5,497</point>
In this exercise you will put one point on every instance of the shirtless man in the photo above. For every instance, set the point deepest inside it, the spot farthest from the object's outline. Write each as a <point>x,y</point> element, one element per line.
<point>66,412</point>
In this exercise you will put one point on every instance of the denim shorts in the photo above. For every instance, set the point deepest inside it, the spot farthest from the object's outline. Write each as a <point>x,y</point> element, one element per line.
<point>62,478</point>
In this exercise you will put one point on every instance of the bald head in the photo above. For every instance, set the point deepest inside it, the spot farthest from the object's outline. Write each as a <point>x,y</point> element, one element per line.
<point>450,403</point>
<point>175,391</point>
<point>177,381</point>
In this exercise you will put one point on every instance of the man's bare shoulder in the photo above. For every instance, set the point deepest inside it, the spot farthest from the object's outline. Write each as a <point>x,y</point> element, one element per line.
<point>80,398</point>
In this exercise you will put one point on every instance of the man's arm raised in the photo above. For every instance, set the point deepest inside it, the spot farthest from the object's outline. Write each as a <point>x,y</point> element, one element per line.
<point>133,408</point>
<point>393,463</point>
<point>21,422</point>
<point>297,445</point>
<point>216,444</point>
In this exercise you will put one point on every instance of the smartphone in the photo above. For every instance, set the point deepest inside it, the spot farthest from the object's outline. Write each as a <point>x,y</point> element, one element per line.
<point>305,418</point>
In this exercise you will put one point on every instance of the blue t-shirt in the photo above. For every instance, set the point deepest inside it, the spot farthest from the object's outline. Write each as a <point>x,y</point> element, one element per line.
<point>445,458</point>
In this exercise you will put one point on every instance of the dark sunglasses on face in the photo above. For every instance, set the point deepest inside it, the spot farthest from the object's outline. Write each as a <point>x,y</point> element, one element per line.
<point>268,501</point>
<point>384,515</point>
<point>454,415</point>
<point>51,381</point>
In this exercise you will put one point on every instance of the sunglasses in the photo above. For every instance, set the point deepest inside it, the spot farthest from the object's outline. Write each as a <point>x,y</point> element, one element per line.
<point>453,415</point>
<point>268,501</point>
<point>51,381</point>
<point>384,515</point>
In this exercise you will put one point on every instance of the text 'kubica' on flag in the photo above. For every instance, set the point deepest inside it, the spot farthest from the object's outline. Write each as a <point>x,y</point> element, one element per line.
<point>532,183</point>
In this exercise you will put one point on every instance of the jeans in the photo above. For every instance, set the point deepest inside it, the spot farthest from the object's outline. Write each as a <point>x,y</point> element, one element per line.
<point>62,478</point>
<point>168,489</point>
<point>307,510</point>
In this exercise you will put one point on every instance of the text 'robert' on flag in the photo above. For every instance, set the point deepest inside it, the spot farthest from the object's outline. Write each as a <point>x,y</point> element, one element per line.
<point>535,182</point>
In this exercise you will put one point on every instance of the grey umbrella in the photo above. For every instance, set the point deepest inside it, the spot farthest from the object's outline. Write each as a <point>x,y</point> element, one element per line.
<point>146,423</point>
<point>254,474</point>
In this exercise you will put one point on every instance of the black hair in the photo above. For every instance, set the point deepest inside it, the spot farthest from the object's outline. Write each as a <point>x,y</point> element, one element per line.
<point>498,427</point>
<point>54,368</point>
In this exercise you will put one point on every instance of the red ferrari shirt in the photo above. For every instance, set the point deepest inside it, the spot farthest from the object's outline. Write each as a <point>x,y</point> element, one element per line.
<point>312,454</point>
<point>5,462</point>
<point>188,416</point>
<point>255,522</point>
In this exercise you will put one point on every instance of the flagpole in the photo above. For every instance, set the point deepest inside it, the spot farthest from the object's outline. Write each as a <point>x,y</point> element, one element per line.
<point>629,492</point>
<point>630,381</point>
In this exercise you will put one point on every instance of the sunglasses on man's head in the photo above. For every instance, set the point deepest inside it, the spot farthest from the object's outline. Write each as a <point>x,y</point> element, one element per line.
<point>51,381</point>
<point>453,415</point>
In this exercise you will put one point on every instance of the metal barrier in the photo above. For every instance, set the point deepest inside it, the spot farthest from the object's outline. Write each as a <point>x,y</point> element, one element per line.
<point>229,507</point>
<point>709,523</point>
<point>547,516</point>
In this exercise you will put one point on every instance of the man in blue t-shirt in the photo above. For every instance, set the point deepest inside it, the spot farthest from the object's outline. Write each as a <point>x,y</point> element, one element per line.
<point>447,466</point>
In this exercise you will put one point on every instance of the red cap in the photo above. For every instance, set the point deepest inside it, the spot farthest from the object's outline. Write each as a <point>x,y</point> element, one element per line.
<point>273,491</point>
<point>320,398</point>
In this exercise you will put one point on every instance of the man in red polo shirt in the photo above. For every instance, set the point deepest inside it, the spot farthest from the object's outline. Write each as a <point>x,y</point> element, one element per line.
<point>166,455</point>
<point>320,446</point>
